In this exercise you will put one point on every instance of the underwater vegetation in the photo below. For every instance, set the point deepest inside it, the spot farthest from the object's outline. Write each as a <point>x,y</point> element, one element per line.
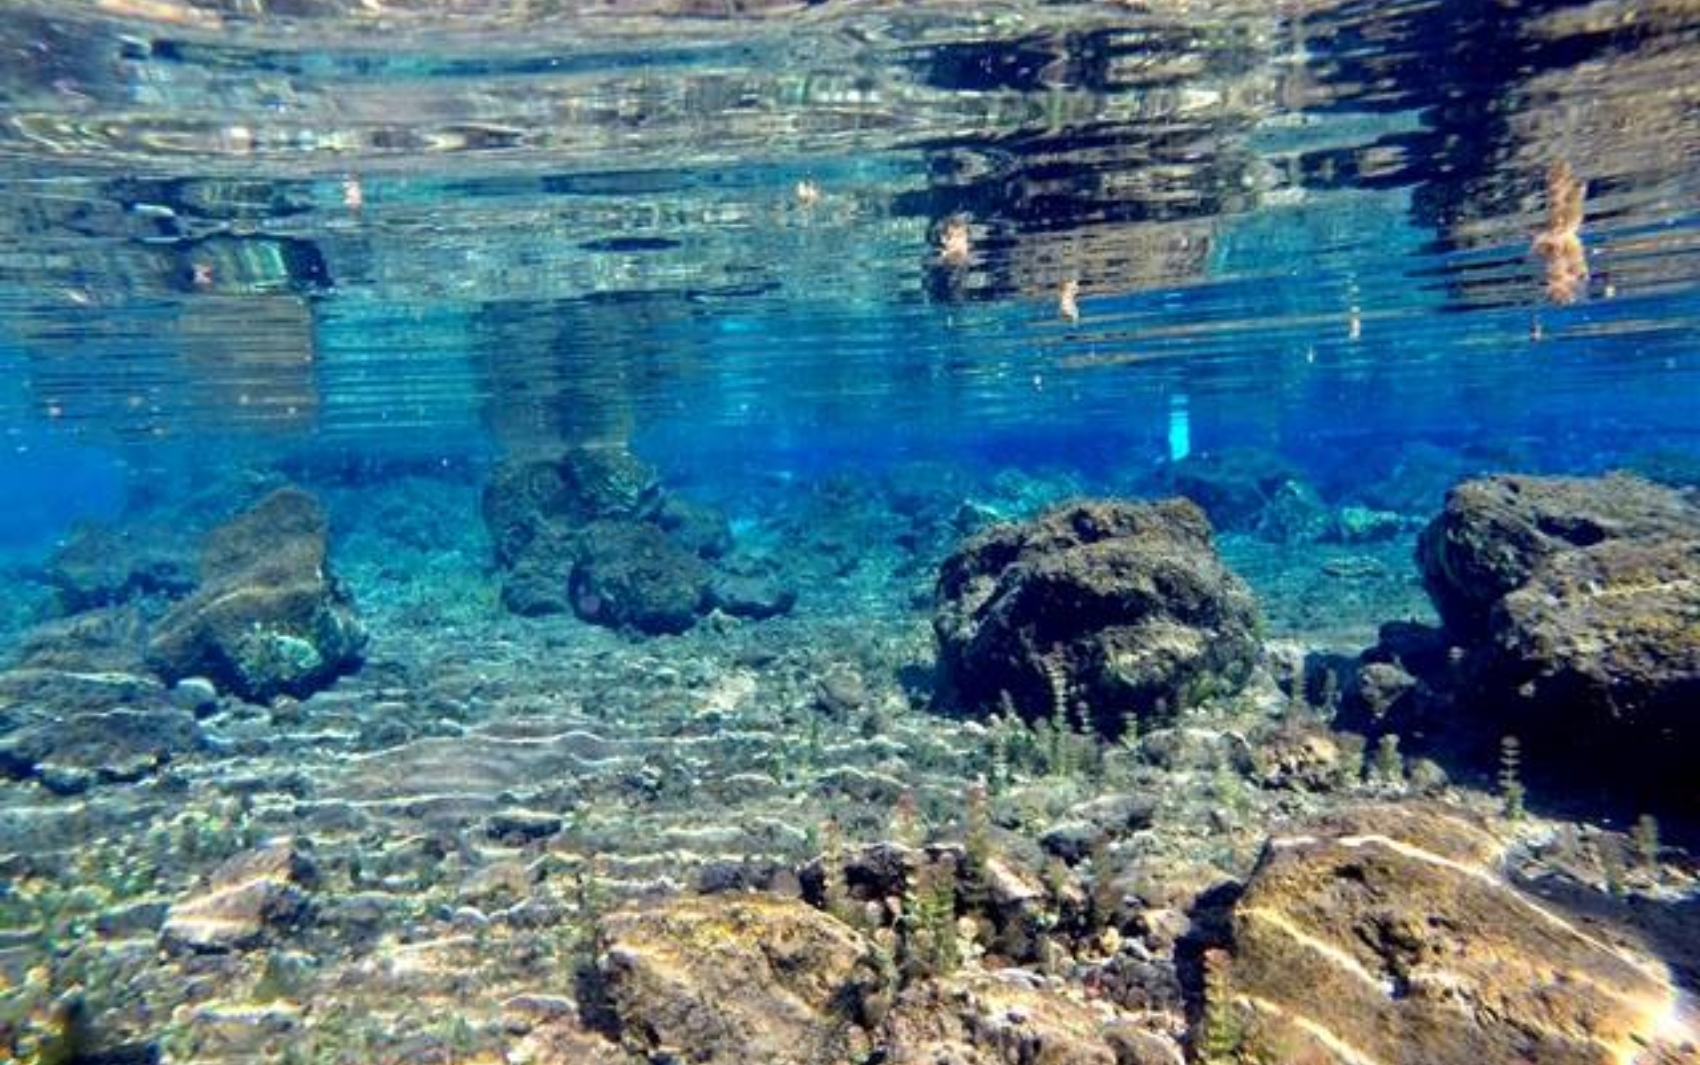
<point>754,839</point>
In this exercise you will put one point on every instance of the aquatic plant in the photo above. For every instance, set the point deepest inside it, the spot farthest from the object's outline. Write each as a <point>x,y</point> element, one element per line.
<point>1645,836</point>
<point>1389,763</point>
<point>1221,1030</point>
<point>906,827</point>
<point>928,946</point>
<point>1510,778</point>
<point>835,890</point>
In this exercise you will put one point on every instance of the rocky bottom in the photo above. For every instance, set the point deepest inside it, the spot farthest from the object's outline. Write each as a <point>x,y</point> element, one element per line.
<point>752,844</point>
<point>439,832</point>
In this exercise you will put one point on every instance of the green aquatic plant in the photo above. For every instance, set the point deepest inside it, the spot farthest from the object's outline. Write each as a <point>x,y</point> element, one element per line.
<point>1510,778</point>
<point>835,889</point>
<point>928,945</point>
<point>1645,836</point>
<point>1389,763</point>
<point>1221,1032</point>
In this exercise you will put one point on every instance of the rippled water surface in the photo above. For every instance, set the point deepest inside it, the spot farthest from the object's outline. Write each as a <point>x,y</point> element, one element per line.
<point>717,229</point>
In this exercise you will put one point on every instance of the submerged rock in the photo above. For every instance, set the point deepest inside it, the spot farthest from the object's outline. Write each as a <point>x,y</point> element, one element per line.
<point>1389,929</point>
<point>730,979</point>
<point>248,897</point>
<point>69,753</point>
<point>630,575</point>
<point>1578,602</point>
<point>592,532</point>
<point>1114,607</point>
<point>268,617</point>
<point>733,979</point>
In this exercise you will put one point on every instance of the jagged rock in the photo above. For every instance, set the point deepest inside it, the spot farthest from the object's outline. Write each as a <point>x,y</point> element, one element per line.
<point>247,898</point>
<point>268,618</point>
<point>1389,928</point>
<point>1364,525</point>
<point>1294,514</point>
<point>1233,485</point>
<point>629,575</point>
<point>536,582</point>
<point>1089,825</point>
<point>1578,601</point>
<point>527,498</point>
<point>1119,607</point>
<point>1301,755</point>
<point>730,979</point>
<point>523,499</point>
<point>101,566</point>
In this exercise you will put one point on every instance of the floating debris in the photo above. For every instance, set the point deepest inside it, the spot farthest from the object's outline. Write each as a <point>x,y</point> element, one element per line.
<point>807,193</point>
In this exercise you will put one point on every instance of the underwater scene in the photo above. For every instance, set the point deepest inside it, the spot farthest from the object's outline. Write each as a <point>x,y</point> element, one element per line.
<point>812,532</point>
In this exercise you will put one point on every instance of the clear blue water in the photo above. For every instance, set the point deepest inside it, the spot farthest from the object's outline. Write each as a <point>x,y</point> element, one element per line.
<point>377,247</point>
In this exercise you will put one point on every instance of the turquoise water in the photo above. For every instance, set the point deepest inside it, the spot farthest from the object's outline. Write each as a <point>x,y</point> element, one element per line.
<point>832,287</point>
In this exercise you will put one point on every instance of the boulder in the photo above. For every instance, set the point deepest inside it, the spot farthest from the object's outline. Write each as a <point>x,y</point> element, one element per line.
<point>252,895</point>
<point>1578,603</point>
<point>755,595</point>
<point>1389,930</point>
<point>699,529</point>
<point>526,497</point>
<point>731,979</point>
<point>737,978</point>
<point>268,618</point>
<point>1108,606</point>
<point>628,574</point>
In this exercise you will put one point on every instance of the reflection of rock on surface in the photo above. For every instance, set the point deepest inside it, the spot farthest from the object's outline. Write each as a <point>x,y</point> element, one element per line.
<point>1385,934</point>
<point>251,361</point>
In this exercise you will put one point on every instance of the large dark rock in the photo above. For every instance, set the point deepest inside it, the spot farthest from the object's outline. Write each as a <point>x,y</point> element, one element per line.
<point>1578,602</point>
<point>592,532</point>
<point>628,574</point>
<point>1390,929</point>
<point>528,497</point>
<point>268,617</point>
<point>1124,607</point>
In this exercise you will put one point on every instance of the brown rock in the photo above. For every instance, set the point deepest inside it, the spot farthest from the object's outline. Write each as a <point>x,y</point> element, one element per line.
<point>1003,1017</point>
<point>245,898</point>
<point>1389,929</point>
<point>732,979</point>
